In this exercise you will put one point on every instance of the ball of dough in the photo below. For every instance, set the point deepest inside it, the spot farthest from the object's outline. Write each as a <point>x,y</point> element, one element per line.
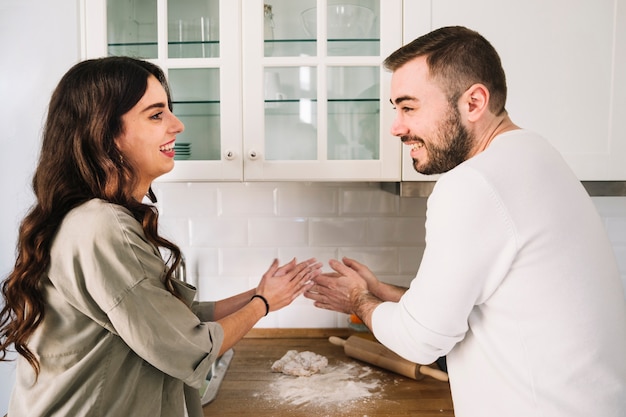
<point>300,363</point>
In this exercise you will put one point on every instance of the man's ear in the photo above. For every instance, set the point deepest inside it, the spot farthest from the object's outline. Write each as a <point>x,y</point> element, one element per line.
<point>475,102</point>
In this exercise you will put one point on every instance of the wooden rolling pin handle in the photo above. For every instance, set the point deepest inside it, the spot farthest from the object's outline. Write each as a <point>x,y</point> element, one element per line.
<point>338,341</point>
<point>435,373</point>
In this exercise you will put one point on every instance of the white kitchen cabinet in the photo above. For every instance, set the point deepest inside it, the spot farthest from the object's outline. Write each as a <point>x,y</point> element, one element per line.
<point>267,91</point>
<point>565,63</point>
<point>197,43</point>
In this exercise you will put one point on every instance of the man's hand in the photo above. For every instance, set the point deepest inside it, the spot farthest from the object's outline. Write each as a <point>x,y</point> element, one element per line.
<point>332,291</point>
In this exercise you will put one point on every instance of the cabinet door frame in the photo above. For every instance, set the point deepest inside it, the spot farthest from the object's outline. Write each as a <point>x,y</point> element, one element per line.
<point>230,166</point>
<point>256,168</point>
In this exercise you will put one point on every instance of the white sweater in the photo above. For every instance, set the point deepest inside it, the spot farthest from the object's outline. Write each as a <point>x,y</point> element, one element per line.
<point>519,286</point>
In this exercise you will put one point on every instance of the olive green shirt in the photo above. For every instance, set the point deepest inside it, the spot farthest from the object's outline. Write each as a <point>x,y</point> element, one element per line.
<point>113,342</point>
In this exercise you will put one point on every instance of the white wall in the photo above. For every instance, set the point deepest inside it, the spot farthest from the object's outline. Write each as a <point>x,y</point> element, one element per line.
<point>38,43</point>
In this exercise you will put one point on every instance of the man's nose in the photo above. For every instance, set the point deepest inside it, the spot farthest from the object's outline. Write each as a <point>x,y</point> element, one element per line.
<point>398,128</point>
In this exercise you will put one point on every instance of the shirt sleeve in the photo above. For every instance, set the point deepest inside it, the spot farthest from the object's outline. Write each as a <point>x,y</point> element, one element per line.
<point>205,310</point>
<point>470,245</point>
<point>166,333</point>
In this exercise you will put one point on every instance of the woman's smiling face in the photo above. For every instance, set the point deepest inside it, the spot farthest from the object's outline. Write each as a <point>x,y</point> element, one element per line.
<point>149,133</point>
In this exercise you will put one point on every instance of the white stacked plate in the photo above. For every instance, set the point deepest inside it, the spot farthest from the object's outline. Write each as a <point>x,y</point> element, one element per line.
<point>183,150</point>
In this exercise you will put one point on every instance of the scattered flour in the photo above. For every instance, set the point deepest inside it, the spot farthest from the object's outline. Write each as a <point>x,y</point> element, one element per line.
<point>342,385</point>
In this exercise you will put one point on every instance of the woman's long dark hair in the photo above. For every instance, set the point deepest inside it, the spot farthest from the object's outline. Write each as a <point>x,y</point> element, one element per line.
<point>79,161</point>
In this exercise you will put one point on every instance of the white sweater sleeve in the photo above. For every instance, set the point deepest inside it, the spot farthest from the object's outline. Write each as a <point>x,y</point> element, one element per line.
<point>470,244</point>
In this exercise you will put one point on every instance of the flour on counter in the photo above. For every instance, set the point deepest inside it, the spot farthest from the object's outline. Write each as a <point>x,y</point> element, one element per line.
<point>343,384</point>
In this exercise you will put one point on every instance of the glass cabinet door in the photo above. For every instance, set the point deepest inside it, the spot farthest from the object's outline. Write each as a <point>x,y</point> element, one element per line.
<point>132,28</point>
<point>267,90</point>
<point>290,106</point>
<point>187,39</point>
<point>193,28</point>
<point>196,102</point>
<point>353,113</point>
<point>325,111</point>
<point>290,28</point>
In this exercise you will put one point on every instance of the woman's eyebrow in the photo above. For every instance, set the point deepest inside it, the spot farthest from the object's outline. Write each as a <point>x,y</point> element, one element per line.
<point>158,105</point>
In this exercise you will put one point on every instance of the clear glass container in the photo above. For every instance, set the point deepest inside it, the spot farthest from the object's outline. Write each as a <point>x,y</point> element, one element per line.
<point>351,29</point>
<point>193,28</point>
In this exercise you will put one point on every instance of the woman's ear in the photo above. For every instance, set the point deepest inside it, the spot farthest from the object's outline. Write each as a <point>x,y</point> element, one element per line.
<point>475,102</point>
<point>118,145</point>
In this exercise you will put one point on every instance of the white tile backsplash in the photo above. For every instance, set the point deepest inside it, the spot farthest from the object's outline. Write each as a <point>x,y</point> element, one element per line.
<point>302,314</point>
<point>245,260</point>
<point>281,231</point>
<point>396,231</point>
<point>297,199</point>
<point>202,262</point>
<point>367,201</point>
<point>338,231</point>
<point>381,260</point>
<point>218,232</point>
<point>247,199</point>
<point>230,232</point>
<point>187,199</point>
<point>409,260</point>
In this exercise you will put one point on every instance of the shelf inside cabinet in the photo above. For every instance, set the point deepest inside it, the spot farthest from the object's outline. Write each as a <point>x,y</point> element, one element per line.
<point>196,108</point>
<point>336,47</point>
<point>193,42</point>
<point>144,50</point>
<point>291,106</point>
<point>366,40</point>
<point>125,44</point>
<point>332,100</point>
<point>131,48</point>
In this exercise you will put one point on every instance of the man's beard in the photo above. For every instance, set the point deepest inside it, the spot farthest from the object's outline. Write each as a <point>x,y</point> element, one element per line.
<point>452,148</point>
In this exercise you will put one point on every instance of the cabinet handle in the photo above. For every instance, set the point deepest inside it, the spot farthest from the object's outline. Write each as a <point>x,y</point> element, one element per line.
<point>229,155</point>
<point>253,154</point>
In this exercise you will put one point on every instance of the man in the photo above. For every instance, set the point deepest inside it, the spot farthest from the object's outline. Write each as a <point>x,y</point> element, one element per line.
<point>518,284</point>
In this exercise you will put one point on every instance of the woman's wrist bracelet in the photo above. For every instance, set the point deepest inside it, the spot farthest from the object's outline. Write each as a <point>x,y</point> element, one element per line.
<point>267,305</point>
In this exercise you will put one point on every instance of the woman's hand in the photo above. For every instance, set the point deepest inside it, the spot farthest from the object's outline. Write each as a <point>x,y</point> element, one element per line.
<point>280,285</point>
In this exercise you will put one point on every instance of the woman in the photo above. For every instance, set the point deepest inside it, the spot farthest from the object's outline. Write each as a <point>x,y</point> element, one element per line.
<point>101,325</point>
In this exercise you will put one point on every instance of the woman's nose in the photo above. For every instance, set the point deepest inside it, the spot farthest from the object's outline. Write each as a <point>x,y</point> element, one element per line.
<point>178,126</point>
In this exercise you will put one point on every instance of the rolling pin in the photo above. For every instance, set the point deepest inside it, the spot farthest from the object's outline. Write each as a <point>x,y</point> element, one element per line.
<point>376,354</point>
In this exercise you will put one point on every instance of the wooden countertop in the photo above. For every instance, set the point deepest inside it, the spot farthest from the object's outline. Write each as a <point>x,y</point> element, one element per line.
<point>250,388</point>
